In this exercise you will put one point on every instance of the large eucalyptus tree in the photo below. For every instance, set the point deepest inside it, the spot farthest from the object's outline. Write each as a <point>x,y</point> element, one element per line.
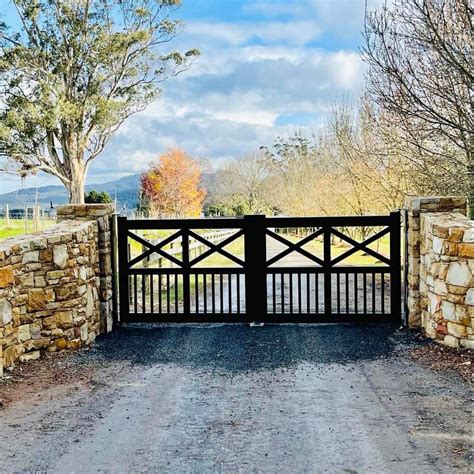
<point>72,72</point>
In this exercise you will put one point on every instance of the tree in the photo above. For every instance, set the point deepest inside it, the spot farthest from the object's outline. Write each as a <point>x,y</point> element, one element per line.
<point>421,74</point>
<point>242,187</point>
<point>297,167</point>
<point>172,185</point>
<point>74,73</point>
<point>97,197</point>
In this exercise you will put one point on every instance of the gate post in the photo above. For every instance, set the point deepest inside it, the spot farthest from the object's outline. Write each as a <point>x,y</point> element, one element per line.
<point>327,272</point>
<point>122,239</point>
<point>186,272</point>
<point>255,267</point>
<point>395,267</point>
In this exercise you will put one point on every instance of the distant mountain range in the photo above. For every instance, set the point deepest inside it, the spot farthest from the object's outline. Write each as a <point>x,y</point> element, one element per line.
<point>124,189</point>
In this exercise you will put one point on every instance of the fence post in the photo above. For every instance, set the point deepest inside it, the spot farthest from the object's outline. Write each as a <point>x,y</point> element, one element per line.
<point>395,267</point>
<point>26,219</point>
<point>255,267</point>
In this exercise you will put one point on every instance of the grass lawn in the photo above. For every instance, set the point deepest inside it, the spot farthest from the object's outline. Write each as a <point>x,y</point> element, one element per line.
<point>17,227</point>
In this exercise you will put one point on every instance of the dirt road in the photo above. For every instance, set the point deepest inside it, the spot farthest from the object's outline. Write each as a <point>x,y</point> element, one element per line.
<point>229,398</point>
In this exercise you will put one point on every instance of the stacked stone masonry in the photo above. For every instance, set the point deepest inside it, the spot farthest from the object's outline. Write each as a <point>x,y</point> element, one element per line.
<point>417,206</point>
<point>49,291</point>
<point>447,278</point>
<point>441,269</point>
<point>103,214</point>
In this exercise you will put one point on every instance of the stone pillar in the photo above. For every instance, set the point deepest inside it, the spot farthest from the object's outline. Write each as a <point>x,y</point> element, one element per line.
<point>416,206</point>
<point>103,214</point>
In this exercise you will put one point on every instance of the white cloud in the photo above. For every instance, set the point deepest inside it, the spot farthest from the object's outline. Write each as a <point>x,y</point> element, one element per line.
<point>252,75</point>
<point>229,103</point>
<point>294,32</point>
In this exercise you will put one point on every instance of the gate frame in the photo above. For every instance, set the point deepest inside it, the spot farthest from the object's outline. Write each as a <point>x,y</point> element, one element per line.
<point>256,268</point>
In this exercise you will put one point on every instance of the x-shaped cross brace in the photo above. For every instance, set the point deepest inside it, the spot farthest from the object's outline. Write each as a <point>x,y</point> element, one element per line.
<point>295,247</point>
<point>216,248</point>
<point>154,248</point>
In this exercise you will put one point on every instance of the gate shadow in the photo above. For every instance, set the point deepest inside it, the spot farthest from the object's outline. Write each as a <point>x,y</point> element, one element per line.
<point>241,348</point>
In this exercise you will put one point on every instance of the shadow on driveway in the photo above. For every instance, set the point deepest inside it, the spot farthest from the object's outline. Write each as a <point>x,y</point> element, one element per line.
<point>241,348</point>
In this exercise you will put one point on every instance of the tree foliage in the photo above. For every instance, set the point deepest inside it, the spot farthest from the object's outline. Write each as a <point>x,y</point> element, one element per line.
<point>97,197</point>
<point>242,188</point>
<point>172,185</point>
<point>74,72</point>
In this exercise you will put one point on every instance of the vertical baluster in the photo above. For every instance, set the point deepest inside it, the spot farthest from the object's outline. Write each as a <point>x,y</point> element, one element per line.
<point>282,281</point>
<point>152,289</point>
<point>373,293</point>
<point>176,293</point>
<point>135,297</point>
<point>308,293</point>
<point>213,292</point>
<point>204,287</point>
<point>299,293</point>
<point>356,293</point>
<point>316,291</point>
<point>160,294</point>
<point>274,292</point>
<point>347,292</point>
<point>143,292</point>
<point>383,293</point>
<point>365,292</point>
<point>238,293</point>
<point>196,291</point>
<point>290,280</point>
<point>168,293</point>
<point>338,292</point>
<point>229,284</point>
<point>221,292</point>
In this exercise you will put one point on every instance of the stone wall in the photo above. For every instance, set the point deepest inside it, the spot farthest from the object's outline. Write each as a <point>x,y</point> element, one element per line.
<point>49,291</point>
<point>417,206</point>
<point>103,214</point>
<point>447,278</point>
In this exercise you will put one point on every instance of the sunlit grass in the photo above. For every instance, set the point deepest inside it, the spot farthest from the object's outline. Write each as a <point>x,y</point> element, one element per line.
<point>17,227</point>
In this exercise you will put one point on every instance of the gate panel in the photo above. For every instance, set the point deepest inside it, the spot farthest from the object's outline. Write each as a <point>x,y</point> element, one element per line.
<point>323,286</point>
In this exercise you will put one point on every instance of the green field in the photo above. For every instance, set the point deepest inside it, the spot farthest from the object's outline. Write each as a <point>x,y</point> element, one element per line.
<point>17,227</point>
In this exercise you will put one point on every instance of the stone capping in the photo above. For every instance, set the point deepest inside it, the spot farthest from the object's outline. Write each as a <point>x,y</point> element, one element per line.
<point>103,215</point>
<point>49,291</point>
<point>415,206</point>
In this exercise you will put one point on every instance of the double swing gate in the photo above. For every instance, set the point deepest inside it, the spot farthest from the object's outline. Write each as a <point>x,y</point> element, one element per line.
<point>276,269</point>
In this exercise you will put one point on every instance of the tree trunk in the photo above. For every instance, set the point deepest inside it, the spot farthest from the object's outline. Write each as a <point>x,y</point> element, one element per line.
<point>77,181</point>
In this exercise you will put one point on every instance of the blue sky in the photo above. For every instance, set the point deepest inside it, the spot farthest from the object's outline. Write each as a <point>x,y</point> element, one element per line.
<point>267,68</point>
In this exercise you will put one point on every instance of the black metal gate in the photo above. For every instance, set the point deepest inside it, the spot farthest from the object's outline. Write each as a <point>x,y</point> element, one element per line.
<point>259,285</point>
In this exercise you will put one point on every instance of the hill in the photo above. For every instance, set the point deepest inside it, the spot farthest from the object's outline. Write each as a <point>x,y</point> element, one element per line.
<point>125,189</point>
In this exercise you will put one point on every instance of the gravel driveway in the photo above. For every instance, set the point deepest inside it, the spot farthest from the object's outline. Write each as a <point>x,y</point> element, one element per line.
<point>217,398</point>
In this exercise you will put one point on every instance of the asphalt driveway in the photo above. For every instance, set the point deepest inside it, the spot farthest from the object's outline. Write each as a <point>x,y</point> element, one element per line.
<point>223,398</point>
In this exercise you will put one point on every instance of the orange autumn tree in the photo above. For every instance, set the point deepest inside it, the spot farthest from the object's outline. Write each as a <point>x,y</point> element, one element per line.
<point>172,185</point>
